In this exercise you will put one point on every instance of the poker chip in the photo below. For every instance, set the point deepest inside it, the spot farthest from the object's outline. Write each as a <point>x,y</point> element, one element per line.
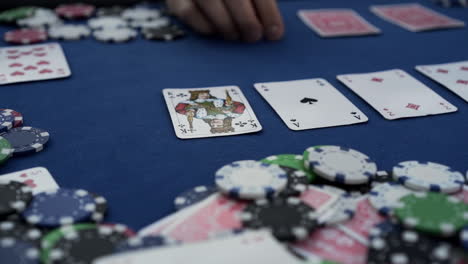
<point>331,189</point>
<point>428,176</point>
<point>69,32</point>
<point>291,161</point>
<point>18,117</point>
<point>341,211</point>
<point>17,251</point>
<point>140,13</point>
<point>136,243</point>
<point>386,196</point>
<point>464,237</point>
<point>381,177</point>
<point>19,231</point>
<point>12,15</point>
<point>14,197</point>
<point>193,196</point>
<point>101,208</point>
<point>83,244</point>
<point>25,36</point>
<point>250,179</point>
<point>7,120</point>
<point>391,244</point>
<point>5,150</point>
<point>297,182</point>
<point>116,35</point>
<point>75,11</point>
<point>42,18</point>
<point>288,219</point>
<point>156,23</point>
<point>60,207</point>
<point>110,11</point>
<point>342,165</point>
<point>167,33</point>
<point>417,211</point>
<point>107,22</point>
<point>27,140</point>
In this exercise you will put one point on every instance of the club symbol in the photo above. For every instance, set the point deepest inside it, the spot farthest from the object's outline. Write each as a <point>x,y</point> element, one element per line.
<point>181,95</point>
<point>307,100</point>
<point>240,124</point>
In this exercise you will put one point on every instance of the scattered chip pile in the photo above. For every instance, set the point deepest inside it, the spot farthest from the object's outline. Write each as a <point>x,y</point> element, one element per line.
<point>69,22</point>
<point>330,205</point>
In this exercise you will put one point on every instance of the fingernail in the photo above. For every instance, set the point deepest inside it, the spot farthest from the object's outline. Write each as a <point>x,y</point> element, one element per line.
<point>274,33</point>
<point>253,35</point>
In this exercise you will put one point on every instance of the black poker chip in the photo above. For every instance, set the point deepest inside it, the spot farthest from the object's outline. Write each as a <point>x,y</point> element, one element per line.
<point>14,197</point>
<point>359,189</point>
<point>289,219</point>
<point>167,33</point>
<point>390,243</point>
<point>20,231</point>
<point>85,244</point>
<point>297,182</point>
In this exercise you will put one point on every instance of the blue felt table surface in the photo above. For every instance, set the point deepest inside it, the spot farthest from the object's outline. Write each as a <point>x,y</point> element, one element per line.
<point>111,132</point>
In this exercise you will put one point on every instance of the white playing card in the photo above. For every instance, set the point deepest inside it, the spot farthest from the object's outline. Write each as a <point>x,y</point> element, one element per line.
<point>309,104</point>
<point>396,94</point>
<point>32,63</point>
<point>454,76</point>
<point>38,179</point>
<point>210,112</point>
<point>250,247</point>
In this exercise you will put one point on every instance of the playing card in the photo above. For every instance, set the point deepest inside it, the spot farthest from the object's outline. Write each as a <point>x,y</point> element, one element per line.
<point>332,244</point>
<point>32,63</point>
<point>362,222</point>
<point>454,76</point>
<point>211,216</point>
<point>395,94</point>
<point>318,199</point>
<point>415,17</point>
<point>337,22</point>
<point>210,112</point>
<point>38,179</point>
<point>246,247</point>
<point>309,104</point>
<point>159,226</point>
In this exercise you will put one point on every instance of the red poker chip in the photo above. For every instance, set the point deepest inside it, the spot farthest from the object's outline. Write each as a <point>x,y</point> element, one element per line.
<point>18,117</point>
<point>74,11</point>
<point>25,36</point>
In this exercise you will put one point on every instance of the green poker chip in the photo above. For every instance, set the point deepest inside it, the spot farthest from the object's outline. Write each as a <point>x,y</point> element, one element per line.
<point>291,161</point>
<point>12,15</point>
<point>5,150</point>
<point>432,212</point>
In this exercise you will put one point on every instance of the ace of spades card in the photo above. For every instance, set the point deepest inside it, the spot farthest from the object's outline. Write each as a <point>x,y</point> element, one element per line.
<point>210,112</point>
<point>310,104</point>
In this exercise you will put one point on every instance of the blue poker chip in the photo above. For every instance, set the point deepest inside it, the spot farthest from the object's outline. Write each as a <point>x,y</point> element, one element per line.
<point>18,251</point>
<point>250,179</point>
<point>136,243</point>
<point>60,207</point>
<point>386,196</point>
<point>7,120</point>
<point>193,196</point>
<point>341,165</point>
<point>26,140</point>
<point>464,237</point>
<point>428,176</point>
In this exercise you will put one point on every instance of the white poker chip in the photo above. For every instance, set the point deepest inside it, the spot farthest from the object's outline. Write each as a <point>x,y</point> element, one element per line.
<point>341,165</point>
<point>69,32</point>
<point>115,34</point>
<point>250,179</point>
<point>42,18</point>
<point>341,211</point>
<point>107,22</point>
<point>156,23</point>
<point>141,13</point>
<point>428,176</point>
<point>386,196</point>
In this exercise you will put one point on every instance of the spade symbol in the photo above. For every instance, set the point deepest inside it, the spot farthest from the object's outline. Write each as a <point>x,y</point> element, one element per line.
<point>307,100</point>
<point>294,122</point>
<point>355,114</point>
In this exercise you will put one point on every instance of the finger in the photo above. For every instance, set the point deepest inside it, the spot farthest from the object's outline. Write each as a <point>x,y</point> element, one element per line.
<point>217,13</point>
<point>270,17</point>
<point>189,13</point>
<point>244,16</point>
